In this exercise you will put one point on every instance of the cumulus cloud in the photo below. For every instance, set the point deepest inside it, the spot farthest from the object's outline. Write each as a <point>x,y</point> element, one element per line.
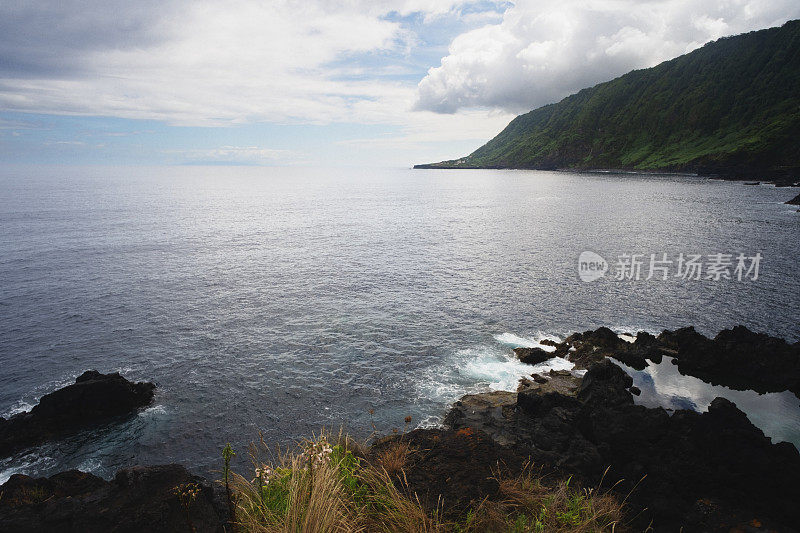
<point>204,62</point>
<point>544,50</point>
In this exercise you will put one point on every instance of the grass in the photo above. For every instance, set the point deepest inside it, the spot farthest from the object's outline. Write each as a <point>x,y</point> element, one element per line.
<point>557,507</point>
<point>393,458</point>
<point>328,485</point>
<point>27,496</point>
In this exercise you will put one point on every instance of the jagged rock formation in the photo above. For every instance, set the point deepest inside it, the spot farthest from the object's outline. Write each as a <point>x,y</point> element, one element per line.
<point>137,499</point>
<point>94,398</point>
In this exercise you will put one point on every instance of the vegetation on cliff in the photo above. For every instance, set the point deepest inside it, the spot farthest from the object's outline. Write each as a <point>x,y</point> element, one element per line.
<point>334,484</point>
<point>731,107</point>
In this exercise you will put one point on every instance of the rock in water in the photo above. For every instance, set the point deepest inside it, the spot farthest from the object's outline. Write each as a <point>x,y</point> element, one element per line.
<point>137,499</point>
<point>94,398</point>
<point>794,201</point>
<point>532,356</point>
<point>737,358</point>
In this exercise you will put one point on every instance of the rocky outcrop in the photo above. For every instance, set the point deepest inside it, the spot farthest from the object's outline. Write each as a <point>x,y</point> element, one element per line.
<point>450,470</point>
<point>137,499</point>
<point>737,358</point>
<point>794,201</point>
<point>706,471</point>
<point>94,398</point>
<point>589,347</point>
<point>532,356</point>
<point>561,381</point>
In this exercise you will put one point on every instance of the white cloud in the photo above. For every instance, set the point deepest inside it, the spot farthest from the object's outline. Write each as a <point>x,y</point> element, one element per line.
<point>545,50</point>
<point>210,63</point>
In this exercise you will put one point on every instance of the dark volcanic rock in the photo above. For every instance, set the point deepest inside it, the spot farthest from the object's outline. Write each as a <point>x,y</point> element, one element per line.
<point>534,403</point>
<point>488,411</point>
<point>594,346</point>
<point>137,499</point>
<point>606,384</point>
<point>93,398</point>
<point>737,358</point>
<point>450,470</point>
<point>794,201</point>
<point>532,356</point>
<point>676,468</point>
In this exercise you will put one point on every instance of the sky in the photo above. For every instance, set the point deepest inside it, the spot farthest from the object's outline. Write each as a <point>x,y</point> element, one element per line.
<point>318,82</point>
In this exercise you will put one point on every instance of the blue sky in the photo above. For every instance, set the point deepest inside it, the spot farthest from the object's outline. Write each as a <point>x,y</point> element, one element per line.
<point>178,82</point>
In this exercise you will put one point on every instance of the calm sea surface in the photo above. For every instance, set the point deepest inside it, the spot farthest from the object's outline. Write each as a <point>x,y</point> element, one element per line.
<point>284,300</point>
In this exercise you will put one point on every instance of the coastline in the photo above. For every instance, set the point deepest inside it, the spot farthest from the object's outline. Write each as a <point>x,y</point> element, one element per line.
<point>777,178</point>
<point>582,423</point>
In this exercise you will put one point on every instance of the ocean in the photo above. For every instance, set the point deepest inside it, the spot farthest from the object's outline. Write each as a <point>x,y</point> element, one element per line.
<point>278,301</point>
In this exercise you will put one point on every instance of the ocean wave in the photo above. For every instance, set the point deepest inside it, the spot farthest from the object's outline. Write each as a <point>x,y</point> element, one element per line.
<point>154,410</point>
<point>29,400</point>
<point>20,406</point>
<point>487,367</point>
<point>533,341</point>
<point>29,463</point>
<point>633,329</point>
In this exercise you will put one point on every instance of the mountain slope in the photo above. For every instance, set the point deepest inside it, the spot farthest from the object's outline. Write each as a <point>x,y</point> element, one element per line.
<point>731,107</point>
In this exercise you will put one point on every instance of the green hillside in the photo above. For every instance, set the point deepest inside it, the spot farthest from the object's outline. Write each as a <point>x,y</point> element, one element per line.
<point>731,107</point>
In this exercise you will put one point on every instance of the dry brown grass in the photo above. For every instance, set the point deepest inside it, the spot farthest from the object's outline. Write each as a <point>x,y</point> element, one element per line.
<point>328,486</point>
<point>559,506</point>
<point>393,457</point>
<point>393,511</point>
<point>299,499</point>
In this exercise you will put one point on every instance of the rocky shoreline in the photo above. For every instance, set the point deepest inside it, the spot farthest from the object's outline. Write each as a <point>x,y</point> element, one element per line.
<point>785,178</point>
<point>93,399</point>
<point>140,498</point>
<point>710,471</point>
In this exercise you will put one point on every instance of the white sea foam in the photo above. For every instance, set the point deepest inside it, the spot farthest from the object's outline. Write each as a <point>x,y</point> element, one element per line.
<point>633,329</point>
<point>430,422</point>
<point>19,407</point>
<point>90,465</point>
<point>29,463</point>
<point>503,371</point>
<point>533,341</point>
<point>490,366</point>
<point>154,410</point>
<point>496,372</point>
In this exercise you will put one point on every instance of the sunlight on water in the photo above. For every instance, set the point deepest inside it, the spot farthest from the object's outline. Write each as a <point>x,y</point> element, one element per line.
<point>282,300</point>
